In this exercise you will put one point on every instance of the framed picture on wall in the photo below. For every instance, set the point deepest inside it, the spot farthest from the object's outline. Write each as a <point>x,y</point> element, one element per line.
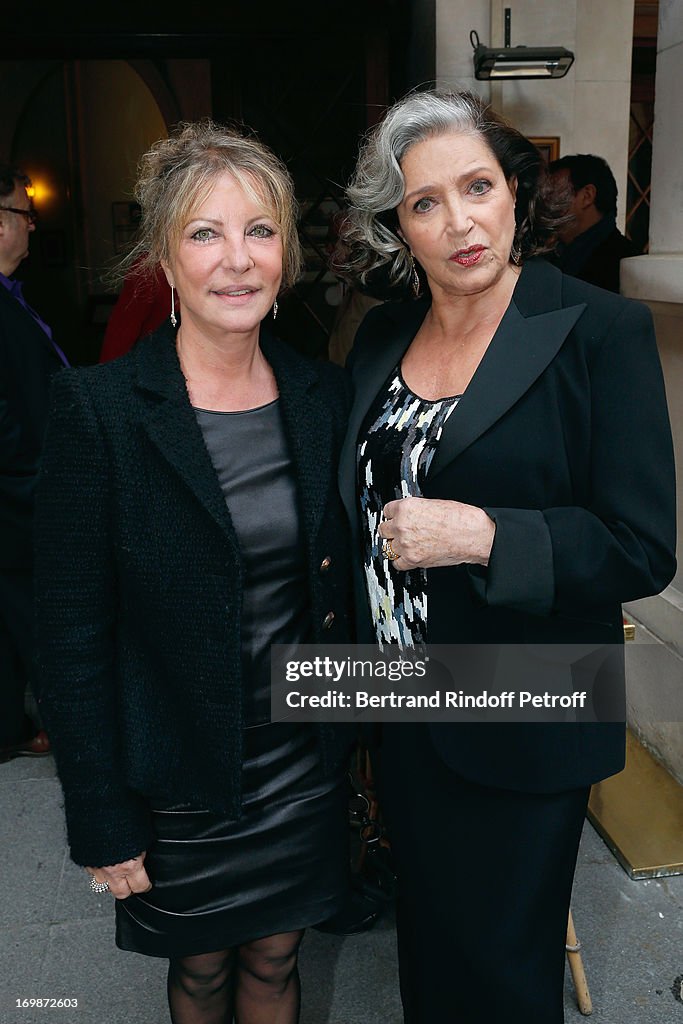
<point>549,146</point>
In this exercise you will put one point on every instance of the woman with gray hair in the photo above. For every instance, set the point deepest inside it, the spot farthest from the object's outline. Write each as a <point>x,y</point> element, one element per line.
<point>499,473</point>
<point>188,518</point>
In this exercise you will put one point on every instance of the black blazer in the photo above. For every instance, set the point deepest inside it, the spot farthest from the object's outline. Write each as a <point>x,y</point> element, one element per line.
<point>27,363</point>
<point>138,588</point>
<point>563,437</point>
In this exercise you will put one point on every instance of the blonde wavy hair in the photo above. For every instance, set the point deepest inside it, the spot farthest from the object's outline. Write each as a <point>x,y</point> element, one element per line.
<point>177,174</point>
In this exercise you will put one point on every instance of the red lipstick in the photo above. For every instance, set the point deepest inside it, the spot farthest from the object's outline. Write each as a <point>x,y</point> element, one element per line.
<point>468,257</point>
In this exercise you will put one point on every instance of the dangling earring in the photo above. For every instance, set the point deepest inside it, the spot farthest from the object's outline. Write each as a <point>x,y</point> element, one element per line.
<point>414,277</point>
<point>516,253</point>
<point>275,310</point>
<point>174,318</point>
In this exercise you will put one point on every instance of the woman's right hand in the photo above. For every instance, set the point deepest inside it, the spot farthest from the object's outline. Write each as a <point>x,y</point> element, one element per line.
<point>125,878</point>
<point>431,532</point>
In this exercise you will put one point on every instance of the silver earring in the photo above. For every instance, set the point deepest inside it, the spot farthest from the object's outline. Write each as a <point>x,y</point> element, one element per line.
<point>414,277</point>
<point>275,310</point>
<point>174,318</point>
<point>516,253</point>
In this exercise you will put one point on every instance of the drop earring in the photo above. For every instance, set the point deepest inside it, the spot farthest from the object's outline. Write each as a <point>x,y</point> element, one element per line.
<point>174,318</point>
<point>516,253</point>
<point>275,308</point>
<point>414,277</point>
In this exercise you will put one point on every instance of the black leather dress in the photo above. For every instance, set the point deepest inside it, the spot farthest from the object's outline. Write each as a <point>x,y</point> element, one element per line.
<point>284,863</point>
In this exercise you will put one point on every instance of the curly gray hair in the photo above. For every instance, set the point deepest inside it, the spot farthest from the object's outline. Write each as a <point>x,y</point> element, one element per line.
<point>368,238</point>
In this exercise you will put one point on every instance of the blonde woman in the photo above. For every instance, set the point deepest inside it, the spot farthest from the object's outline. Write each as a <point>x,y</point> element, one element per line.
<point>188,518</point>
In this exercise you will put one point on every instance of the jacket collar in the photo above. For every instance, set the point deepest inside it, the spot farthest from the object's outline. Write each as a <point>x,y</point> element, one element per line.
<point>532,331</point>
<point>170,423</point>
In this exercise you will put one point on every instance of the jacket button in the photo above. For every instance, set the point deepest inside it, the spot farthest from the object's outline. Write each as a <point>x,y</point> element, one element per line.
<point>328,620</point>
<point>325,564</point>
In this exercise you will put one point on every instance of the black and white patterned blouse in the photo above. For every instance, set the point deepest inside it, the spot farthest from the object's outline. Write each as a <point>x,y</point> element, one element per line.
<point>398,441</point>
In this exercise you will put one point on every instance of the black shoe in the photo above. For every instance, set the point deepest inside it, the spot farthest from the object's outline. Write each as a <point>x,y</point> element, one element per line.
<point>37,746</point>
<point>357,915</point>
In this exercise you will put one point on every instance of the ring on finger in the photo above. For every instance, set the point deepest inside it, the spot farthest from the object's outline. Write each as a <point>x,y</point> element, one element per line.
<point>388,551</point>
<point>98,887</point>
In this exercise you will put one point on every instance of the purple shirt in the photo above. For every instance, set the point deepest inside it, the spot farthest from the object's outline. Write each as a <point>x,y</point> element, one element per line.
<point>14,288</point>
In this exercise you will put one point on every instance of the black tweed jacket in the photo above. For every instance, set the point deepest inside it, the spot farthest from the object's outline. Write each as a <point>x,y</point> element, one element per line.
<point>138,588</point>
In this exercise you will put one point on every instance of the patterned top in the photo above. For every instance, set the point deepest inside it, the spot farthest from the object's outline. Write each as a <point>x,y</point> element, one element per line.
<point>399,439</point>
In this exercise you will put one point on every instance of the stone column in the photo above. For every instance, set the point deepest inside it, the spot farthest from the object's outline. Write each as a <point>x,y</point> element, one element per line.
<point>656,692</point>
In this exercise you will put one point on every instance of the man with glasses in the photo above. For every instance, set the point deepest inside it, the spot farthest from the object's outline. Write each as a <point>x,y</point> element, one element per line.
<point>28,359</point>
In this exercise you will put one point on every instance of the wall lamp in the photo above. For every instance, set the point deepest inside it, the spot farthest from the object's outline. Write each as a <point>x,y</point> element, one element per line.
<point>518,61</point>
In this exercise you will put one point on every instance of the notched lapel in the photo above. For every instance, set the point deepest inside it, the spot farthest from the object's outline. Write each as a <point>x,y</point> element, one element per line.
<point>519,352</point>
<point>170,423</point>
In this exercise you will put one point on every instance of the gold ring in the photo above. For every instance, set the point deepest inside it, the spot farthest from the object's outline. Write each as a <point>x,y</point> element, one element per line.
<point>388,551</point>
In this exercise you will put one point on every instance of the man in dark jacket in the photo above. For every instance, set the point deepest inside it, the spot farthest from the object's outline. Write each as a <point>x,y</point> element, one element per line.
<point>590,246</point>
<point>28,358</point>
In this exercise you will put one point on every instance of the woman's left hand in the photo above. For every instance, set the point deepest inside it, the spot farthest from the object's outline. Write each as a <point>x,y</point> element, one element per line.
<point>125,878</point>
<point>429,532</point>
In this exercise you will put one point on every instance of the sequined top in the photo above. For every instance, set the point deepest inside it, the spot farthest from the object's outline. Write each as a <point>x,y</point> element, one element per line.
<point>399,438</point>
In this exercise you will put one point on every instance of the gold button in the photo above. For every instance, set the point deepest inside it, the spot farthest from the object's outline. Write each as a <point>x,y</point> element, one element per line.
<point>325,564</point>
<point>328,620</point>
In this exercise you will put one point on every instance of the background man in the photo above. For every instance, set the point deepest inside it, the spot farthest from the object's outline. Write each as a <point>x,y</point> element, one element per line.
<point>28,358</point>
<point>591,246</point>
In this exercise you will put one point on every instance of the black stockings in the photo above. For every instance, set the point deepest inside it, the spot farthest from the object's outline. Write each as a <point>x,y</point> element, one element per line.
<point>200,988</point>
<point>258,983</point>
<point>267,985</point>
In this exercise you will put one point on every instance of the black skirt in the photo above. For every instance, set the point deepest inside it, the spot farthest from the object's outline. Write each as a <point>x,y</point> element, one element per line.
<point>282,866</point>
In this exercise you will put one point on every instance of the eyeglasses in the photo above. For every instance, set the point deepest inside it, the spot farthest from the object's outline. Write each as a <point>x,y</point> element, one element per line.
<point>31,215</point>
